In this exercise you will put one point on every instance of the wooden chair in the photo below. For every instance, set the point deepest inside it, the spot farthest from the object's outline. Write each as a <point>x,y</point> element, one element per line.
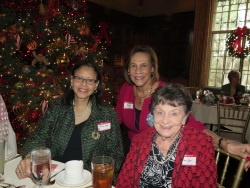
<point>234,117</point>
<point>219,153</point>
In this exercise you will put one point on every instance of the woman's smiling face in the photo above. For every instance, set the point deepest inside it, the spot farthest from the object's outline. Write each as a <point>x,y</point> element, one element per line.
<point>168,120</point>
<point>140,69</point>
<point>83,88</point>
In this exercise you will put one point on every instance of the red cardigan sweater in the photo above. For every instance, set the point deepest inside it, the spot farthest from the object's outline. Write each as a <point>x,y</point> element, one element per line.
<point>193,142</point>
<point>125,109</point>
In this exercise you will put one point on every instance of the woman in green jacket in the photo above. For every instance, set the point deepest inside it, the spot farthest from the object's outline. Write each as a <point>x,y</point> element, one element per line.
<point>79,126</point>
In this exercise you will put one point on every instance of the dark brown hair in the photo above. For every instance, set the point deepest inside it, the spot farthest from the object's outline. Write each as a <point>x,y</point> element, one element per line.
<point>153,60</point>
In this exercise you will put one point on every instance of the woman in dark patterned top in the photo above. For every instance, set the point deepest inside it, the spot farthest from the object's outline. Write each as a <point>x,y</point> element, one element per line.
<point>172,154</point>
<point>233,88</point>
<point>79,126</point>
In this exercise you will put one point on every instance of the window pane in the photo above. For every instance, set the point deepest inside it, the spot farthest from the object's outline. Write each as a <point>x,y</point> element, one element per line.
<point>229,15</point>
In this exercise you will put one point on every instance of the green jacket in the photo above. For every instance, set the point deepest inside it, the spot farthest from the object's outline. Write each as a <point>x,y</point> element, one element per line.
<point>55,129</point>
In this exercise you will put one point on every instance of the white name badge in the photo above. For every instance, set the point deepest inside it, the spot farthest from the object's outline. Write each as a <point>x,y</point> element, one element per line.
<point>189,160</point>
<point>104,126</point>
<point>128,105</point>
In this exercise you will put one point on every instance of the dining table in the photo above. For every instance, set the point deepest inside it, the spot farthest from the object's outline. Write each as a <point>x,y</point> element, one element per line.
<point>10,177</point>
<point>207,114</point>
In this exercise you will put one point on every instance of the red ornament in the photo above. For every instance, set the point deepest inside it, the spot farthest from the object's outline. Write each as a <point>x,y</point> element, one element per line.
<point>96,44</point>
<point>32,45</point>
<point>34,115</point>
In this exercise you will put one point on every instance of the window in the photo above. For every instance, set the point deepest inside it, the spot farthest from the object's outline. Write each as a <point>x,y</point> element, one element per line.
<point>228,15</point>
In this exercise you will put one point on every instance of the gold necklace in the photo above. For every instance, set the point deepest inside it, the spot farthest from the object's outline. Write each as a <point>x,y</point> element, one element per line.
<point>170,155</point>
<point>140,98</point>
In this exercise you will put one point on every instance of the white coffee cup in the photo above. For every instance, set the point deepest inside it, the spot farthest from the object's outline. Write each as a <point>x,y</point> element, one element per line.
<point>74,171</point>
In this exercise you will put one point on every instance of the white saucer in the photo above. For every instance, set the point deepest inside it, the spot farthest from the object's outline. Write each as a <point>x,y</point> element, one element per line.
<point>87,177</point>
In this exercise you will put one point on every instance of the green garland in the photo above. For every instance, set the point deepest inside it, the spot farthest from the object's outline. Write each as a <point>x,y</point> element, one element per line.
<point>234,51</point>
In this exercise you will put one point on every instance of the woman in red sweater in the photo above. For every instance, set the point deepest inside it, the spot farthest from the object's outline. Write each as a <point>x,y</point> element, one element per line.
<point>171,154</point>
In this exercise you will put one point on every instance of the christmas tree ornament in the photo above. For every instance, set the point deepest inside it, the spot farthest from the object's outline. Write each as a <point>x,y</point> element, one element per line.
<point>81,52</point>
<point>19,85</point>
<point>18,41</point>
<point>30,83</point>
<point>34,115</point>
<point>42,9</point>
<point>44,105</point>
<point>18,109</point>
<point>84,29</point>
<point>26,69</point>
<point>74,5</point>
<point>47,94</point>
<point>96,43</point>
<point>69,39</point>
<point>40,62</point>
<point>62,60</point>
<point>13,29</point>
<point>32,45</point>
<point>20,29</point>
<point>2,39</point>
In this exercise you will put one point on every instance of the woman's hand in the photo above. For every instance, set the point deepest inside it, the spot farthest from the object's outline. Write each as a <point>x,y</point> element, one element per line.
<point>233,147</point>
<point>23,168</point>
<point>239,149</point>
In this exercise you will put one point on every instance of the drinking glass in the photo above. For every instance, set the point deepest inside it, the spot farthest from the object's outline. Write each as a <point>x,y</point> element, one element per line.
<point>102,171</point>
<point>40,166</point>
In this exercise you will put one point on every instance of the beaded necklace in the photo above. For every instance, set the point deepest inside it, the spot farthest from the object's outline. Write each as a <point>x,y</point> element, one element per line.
<point>77,116</point>
<point>170,155</point>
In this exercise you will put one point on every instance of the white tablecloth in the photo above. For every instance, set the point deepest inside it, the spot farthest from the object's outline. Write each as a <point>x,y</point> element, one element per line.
<point>208,114</point>
<point>10,175</point>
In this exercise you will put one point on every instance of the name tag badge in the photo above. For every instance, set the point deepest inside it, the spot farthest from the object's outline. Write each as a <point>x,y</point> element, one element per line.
<point>104,126</point>
<point>189,160</point>
<point>128,105</point>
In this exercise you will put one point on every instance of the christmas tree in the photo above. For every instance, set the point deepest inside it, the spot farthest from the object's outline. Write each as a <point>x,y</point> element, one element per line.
<point>40,42</point>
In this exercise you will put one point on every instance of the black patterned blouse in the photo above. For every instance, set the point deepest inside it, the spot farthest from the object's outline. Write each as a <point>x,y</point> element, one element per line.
<point>158,169</point>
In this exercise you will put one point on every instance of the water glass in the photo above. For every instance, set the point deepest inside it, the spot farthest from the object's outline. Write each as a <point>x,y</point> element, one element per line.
<point>40,166</point>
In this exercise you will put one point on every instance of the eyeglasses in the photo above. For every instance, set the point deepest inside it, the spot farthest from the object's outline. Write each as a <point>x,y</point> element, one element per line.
<point>79,79</point>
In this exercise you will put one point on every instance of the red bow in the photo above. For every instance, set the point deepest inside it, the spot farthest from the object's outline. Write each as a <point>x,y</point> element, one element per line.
<point>240,32</point>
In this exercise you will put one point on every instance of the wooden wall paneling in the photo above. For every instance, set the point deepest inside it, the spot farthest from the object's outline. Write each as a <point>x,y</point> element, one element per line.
<point>170,36</point>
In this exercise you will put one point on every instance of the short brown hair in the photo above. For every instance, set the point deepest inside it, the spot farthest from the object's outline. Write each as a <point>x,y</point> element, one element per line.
<point>232,74</point>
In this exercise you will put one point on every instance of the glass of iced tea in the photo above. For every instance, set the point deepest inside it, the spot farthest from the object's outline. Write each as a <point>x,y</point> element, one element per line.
<point>102,171</point>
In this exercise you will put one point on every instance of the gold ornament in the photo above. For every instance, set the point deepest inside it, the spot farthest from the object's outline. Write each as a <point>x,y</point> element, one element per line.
<point>19,85</point>
<point>20,29</point>
<point>42,9</point>
<point>47,94</point>
<point>18,109</point>
<point>63,60</point>
<point>2,39</point>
